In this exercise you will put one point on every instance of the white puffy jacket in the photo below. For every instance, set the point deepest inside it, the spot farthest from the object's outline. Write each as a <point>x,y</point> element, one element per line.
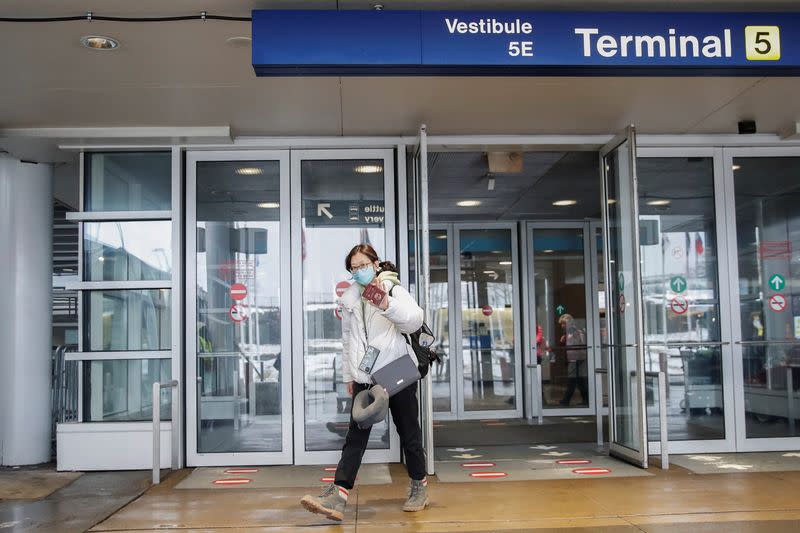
<point>384,329</point>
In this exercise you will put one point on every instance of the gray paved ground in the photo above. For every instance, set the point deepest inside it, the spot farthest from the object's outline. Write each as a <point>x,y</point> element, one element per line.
<point>75,508</point>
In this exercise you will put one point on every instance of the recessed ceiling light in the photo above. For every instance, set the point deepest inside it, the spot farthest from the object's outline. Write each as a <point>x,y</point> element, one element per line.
<point>469,203</point>
<point>368,169</point>
<point>98,42</point>
<point>505,263</point>
<point>658,202</point>
<point>101,258</point>
<point>269,205</point>
<point>564,203</point>
<point>239,41</point>
<point>249,171</point>
<point>611,201</point>
<point>736,167</point>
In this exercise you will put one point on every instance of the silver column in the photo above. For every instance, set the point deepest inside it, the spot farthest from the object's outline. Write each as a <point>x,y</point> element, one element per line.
<point>26,226</point>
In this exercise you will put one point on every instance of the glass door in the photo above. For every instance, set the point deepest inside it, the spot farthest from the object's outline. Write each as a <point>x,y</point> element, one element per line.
<point>237,288</point>
<point>628,439</point>
<point>488,363</point>
<point>340,198</point>
<point>762,193</point>
<point>562,328</point>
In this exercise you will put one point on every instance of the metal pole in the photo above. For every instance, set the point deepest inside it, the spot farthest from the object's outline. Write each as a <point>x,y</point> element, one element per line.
<point>662,419</point>
<point>157,428</point>
<point>662,416</point>
<point>598,402</point>
<point>790,399</point>
<point>540,401</point>
<point>156,433</point>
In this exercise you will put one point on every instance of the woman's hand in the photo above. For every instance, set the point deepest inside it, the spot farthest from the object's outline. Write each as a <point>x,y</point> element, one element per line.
<point>350,385</point>
<point>384,305</point>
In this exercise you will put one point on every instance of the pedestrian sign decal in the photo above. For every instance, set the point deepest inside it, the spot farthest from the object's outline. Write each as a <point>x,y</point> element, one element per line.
<point>621,281</point>
<point>777,282</point>
<point>237,314</point>
<point>560,309</point>
<point>777,302</point>
<point>238,291</point>
<point>677,284</point>
<point>679,305</point>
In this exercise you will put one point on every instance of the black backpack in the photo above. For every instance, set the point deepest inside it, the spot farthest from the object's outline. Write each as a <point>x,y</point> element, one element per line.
<point>425,356</point>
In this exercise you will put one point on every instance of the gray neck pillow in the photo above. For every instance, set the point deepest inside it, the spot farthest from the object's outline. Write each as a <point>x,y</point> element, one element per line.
<point>370,406</point>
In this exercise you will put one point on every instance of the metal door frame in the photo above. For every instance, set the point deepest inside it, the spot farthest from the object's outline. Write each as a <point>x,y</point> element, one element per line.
<point>743,443</point>
<point>456,335</point>
<point>452,282</point>
<point>302,456</point>
<point>722,227</point>
<point>193,457</point>
<point>591,310</point>
<point>639,457</point>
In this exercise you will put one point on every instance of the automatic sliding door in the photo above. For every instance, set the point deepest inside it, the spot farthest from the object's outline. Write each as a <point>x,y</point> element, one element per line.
<point>340,198</point>
<point>763,196</point>
<point>238,363</point>
<point>488,301</point>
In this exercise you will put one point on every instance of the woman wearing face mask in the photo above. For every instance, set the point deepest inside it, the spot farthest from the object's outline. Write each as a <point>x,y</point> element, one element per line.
<point>381,327</point>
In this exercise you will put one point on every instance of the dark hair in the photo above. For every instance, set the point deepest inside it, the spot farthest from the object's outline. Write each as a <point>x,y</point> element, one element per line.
<point>372,255</point>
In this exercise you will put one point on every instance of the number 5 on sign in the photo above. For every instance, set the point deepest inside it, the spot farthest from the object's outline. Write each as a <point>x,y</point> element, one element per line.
<point>762,43</point>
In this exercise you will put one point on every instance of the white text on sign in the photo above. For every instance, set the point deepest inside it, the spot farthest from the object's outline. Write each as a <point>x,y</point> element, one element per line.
<point>670,45</point>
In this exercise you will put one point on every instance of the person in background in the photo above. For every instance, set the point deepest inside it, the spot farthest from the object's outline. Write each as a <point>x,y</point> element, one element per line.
<point>574,339</point>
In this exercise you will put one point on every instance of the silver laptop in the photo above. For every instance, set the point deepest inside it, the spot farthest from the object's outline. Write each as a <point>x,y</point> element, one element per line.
<point>397,375</point>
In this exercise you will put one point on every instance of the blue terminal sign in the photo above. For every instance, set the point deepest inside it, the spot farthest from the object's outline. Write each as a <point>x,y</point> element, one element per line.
<point>381,43</point>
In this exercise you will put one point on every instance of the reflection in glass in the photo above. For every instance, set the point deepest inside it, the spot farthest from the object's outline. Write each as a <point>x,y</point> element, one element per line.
<point>238,307</point>
<point>561,326</point>
<point>487,320</point>
<point>128,181</point>
<point>122,390</point>
<point>439,309</point>
<point>678,251</point>
<point>127,251</point>
<point>127,320</point>
<point>342,205</point>
<point>768,239</point>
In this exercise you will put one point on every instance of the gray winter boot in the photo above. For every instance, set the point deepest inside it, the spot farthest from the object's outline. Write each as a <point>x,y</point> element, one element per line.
<point>330,502</point>
<point>417,496</point>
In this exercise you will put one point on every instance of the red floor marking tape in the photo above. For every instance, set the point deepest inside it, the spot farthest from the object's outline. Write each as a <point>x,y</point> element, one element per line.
<point>488,474</point>
<point>330,469</point>
<point>330,479</point>
<point>591,471</point>
<point>233,481</point>
<point>574,461</point>
<point>241,471</point>
<point>477,465</point>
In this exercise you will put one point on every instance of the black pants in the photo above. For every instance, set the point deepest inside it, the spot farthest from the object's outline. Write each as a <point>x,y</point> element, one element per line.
<point>575,379</point>
<point>403,406</point>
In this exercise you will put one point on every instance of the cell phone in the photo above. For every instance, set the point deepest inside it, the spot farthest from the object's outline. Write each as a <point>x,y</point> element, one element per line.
<point>374,294</point>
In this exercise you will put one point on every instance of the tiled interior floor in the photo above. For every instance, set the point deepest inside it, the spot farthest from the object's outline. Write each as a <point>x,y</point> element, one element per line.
<point>675,500</point>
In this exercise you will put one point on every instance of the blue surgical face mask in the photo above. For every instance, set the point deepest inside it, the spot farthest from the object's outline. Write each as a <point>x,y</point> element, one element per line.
<point>365,275</point>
